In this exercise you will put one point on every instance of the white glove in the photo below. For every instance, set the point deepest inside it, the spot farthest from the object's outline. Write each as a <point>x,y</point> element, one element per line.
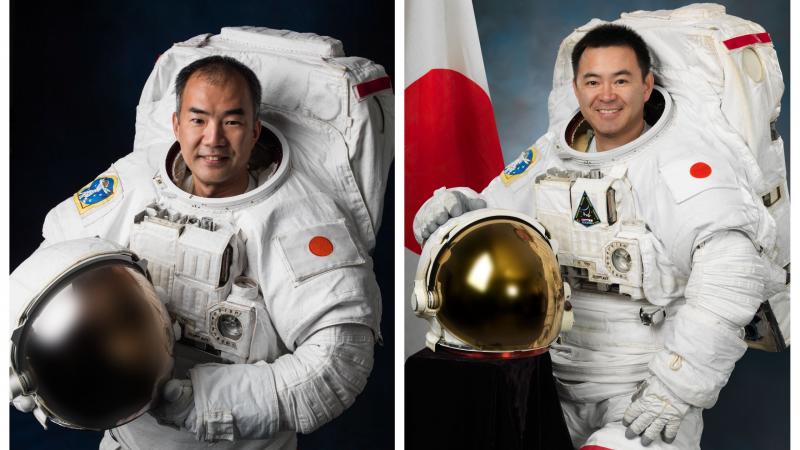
<point>177,406</point>
<point>655,410</point>
<point>25,403</point>
<point>444,204</point>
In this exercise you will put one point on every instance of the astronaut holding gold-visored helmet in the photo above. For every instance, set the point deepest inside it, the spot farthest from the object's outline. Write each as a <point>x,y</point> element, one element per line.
<point>663,181</point>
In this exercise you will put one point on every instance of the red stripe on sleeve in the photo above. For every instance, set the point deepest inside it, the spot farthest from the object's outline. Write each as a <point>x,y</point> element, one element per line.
<point>747,39</point>
<point>372,86</point>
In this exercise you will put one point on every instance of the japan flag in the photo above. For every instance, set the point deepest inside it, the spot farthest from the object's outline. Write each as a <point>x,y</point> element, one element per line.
<point>450,133</point>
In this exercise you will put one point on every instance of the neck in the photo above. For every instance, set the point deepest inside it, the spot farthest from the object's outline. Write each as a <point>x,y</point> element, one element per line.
<point>235,187</point>
<point>605,142</point>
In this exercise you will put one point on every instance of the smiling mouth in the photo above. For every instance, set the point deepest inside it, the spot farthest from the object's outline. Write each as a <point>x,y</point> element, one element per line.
<point>608,110</point>
<point>213,158</point>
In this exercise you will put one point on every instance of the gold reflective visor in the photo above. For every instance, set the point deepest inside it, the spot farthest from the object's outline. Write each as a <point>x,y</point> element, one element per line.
<point>499,286</point>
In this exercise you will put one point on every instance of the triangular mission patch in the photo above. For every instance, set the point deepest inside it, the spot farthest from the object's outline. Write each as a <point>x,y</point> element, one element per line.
<point>586,215</point>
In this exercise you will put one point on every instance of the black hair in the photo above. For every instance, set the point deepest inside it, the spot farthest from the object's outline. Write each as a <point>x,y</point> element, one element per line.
<point>216,67</point>
<point>612,35</point>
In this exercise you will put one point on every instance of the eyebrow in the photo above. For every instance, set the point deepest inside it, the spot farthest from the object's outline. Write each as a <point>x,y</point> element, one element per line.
<point>234,112</point>
<point>615,74</point>
<point>230,112</point>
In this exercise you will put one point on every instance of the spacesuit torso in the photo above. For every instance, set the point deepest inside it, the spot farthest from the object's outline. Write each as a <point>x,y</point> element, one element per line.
<point>626,222</point>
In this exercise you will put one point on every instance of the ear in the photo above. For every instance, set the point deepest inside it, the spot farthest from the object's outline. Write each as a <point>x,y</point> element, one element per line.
<point>256,129</point>
<point>649,81</point>
<point>175,124</point>
<point>575,87</point>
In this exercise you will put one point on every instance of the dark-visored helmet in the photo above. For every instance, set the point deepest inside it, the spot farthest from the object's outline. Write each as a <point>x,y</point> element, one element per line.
<point>92,343</point>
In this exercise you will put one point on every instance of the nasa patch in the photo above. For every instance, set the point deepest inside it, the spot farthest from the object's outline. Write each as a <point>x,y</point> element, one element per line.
<point>514,170</point>
<point>101,190</point>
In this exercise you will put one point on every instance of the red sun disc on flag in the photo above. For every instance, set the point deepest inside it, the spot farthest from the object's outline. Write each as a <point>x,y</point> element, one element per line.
<point>700,170</point>
<point>320,246</point>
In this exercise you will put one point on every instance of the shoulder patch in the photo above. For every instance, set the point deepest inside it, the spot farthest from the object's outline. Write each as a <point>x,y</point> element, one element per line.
<point>311,251</point>
<point>686,178</point>
<point>100,191</point>
<point>526,160</point>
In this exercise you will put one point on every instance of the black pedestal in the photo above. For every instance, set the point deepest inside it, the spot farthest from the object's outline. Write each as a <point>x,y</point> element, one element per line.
<point>454,402</point>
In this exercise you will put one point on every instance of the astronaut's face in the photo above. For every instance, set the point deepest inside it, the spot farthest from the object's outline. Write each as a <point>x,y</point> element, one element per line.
<point>217,131</point>
<point>611,94</point>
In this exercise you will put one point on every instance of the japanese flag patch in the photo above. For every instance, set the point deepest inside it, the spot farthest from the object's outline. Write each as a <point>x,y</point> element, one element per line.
<point>686,178</point>
<point>100,191</point>
<point>318,249</point>
<point>517,168</point>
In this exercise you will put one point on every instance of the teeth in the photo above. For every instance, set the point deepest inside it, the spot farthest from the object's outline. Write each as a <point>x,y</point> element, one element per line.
<point>608,111</point>
<point>212,158</point>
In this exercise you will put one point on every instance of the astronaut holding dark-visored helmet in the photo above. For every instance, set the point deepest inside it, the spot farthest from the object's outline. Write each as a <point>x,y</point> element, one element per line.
<point>254,239</point>
<point>663,183</point>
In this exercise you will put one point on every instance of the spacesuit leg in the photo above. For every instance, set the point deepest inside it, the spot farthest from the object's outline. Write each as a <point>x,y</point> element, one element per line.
<point>588,405</point>
<point>577,417</point>
<point>612,435</point>
<point>593,413</point>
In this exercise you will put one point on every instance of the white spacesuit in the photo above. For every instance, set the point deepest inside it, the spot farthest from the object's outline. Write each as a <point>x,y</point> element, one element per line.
<point>273,288</point>
<point>670,242</point>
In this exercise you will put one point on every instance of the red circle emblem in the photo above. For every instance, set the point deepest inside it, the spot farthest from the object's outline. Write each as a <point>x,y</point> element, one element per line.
<point>320,246</point>
<point>700,170</point>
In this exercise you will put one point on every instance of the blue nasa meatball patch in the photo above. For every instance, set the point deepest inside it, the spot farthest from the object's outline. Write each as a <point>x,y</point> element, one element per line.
<point>526,160</point>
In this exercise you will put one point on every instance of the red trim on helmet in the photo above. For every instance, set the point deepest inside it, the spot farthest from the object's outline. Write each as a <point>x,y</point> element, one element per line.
<point>477,354</point>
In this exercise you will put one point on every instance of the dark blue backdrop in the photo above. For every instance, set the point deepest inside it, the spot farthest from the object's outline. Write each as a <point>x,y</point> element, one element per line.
<point>77,69</point>
<point>519,40</point>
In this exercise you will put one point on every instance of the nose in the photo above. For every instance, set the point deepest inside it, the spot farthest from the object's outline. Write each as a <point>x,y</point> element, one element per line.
<point>214,135</point>
<point>607,93</point>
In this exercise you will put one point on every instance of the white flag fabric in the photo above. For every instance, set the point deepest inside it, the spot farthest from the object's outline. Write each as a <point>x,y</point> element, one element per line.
<point>442,34</point>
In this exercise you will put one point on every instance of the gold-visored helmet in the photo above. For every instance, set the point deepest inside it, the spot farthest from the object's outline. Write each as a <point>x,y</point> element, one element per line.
<point>489,281</point>
<point>91,343</point>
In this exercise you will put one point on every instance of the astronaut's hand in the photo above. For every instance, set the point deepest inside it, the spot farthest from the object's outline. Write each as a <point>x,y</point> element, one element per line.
<point>24,403</point>
<point>655,410</point>
<point>177,406</point>
<point>444,204</point>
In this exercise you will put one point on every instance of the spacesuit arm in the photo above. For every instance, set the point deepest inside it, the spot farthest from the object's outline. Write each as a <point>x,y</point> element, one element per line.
<point>108,214</point>
<point>512,189</point>
<point>728,282</point>
<point>297,392</point>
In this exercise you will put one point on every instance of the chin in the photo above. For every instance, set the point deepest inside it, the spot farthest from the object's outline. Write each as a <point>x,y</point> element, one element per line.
<point>214,181</point>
